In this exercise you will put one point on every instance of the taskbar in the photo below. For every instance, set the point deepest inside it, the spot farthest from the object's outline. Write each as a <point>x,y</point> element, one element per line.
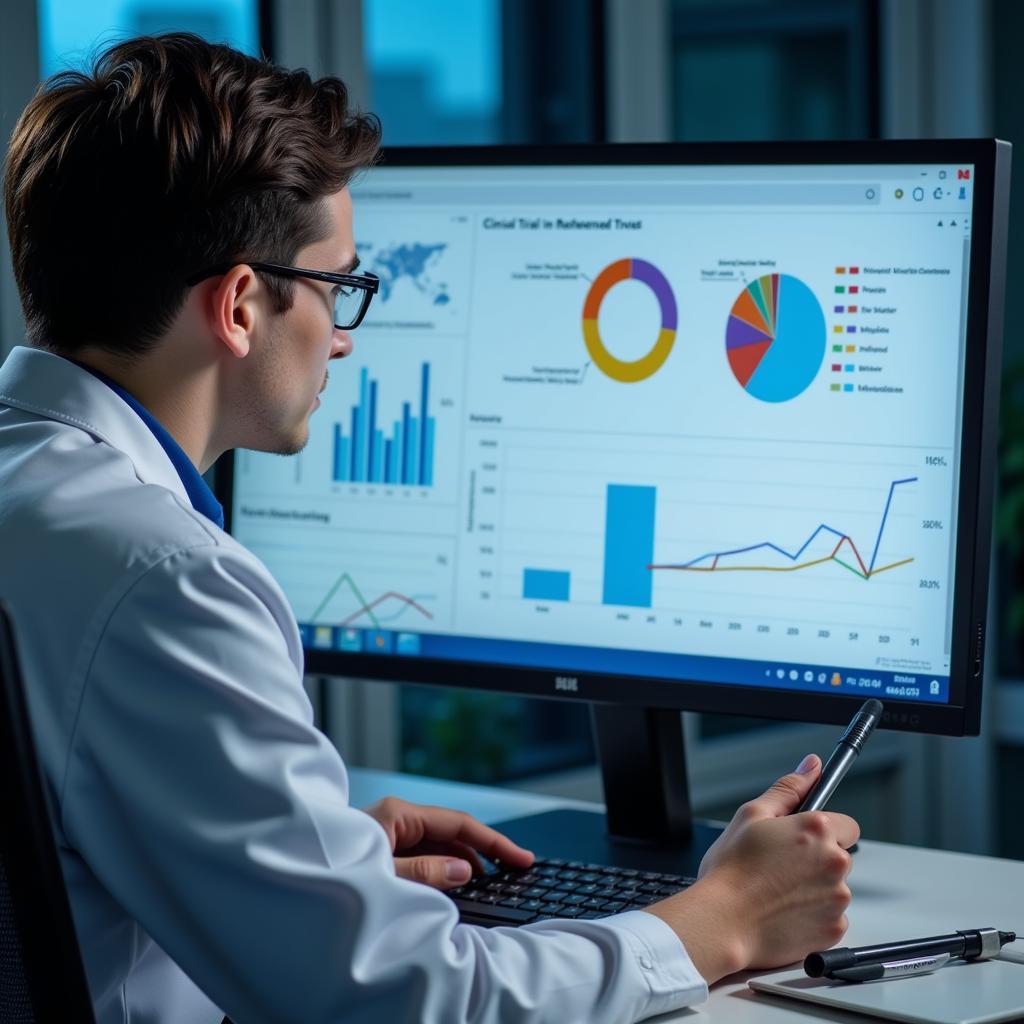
<point>802,677</point>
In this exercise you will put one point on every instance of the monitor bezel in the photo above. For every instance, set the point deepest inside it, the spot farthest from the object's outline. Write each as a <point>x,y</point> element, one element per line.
<point>982,367</point>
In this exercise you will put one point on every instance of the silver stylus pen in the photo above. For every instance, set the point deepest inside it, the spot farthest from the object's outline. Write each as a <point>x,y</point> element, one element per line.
<point>842,758</point>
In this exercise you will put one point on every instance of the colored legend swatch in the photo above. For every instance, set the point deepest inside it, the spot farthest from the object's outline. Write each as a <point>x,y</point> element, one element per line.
<point>405,456</point>
<point>775,338</point>
<point>629,372</point>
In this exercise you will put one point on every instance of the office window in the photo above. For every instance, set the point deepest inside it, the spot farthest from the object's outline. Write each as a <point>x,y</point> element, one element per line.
<point>757,70</point>
<point>69,31</point>
<point>435,70</point>
<point>1009,123</point>
<point>490,738</point>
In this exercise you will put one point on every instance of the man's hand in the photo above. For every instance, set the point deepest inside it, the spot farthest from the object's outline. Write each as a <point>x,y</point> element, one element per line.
<point>773,886</point>
<point>440,847</point>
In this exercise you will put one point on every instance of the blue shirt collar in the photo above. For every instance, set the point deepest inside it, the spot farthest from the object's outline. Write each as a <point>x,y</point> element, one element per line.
<point>195,486</point>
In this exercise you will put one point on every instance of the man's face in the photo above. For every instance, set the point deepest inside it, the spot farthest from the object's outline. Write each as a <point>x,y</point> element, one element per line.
<point>291,366</point>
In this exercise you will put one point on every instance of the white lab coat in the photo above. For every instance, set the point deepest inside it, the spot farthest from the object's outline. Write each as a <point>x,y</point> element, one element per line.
<point>212,860</point>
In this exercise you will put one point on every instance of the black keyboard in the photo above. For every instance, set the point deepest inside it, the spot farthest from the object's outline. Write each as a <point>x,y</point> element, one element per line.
<point>560,889</point>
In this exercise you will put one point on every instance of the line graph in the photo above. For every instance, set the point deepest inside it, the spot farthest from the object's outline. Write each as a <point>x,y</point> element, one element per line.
<point>862,570</point>
<point>367,607</point>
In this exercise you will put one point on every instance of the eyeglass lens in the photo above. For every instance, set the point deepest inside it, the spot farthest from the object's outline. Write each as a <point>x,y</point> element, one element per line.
<point>348,305</point>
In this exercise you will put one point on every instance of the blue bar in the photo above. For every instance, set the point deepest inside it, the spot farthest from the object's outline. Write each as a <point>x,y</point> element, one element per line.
<point>629,545</point>
<point>412,451</point>
<point>406,415</point>
<point>364,436</point>
<point>371,436</point>
<point>424,395</point>
<point>345,458</point>
<point>354,470</point>
<point>428,456</point>
<point>545,585</point>
<point>339,471</point>
<point>388,449</point>
<point>396,454</point>
<point>377,476</point>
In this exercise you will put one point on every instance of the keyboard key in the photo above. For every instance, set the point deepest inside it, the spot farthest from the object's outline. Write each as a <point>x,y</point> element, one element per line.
<point>534,892</point>
<point>587,890</point>
<point>590,915</point>
<point>567,886</point>
<point>504,915</point>
<point>608,892</point>
<point>573,899</point>
<point>569,912</point>
<point>553,896</point>
<point>594,903</point>
<point>533,905</point>
<point>512,901</point>
<point>588,876</point>
<point>613,906</point>
<point>650,876</point>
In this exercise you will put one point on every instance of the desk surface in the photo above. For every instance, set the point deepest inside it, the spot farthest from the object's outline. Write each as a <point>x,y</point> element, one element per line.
<point>898,891</point>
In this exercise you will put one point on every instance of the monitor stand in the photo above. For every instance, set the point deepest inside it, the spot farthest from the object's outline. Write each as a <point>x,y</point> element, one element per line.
<point>648,824</point>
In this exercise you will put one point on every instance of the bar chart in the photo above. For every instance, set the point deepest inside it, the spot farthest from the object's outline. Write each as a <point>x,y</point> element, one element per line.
<point>694,542</point>
<point>628,553</point>
<point>371,452</point>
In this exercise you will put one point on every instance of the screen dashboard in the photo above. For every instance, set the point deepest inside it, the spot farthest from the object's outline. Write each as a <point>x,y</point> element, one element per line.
<point>677,422</point>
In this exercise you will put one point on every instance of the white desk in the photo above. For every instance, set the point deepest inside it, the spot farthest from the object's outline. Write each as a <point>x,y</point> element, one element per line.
<point>898,891</point>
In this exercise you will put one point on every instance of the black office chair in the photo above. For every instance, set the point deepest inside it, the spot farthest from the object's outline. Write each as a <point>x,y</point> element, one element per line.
<point>41,974</point>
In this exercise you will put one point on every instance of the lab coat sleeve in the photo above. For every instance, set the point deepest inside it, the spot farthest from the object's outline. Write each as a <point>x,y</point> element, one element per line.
<point>200,793</point>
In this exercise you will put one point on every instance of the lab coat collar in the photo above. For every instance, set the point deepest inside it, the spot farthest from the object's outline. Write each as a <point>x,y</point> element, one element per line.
<point>50,386</point>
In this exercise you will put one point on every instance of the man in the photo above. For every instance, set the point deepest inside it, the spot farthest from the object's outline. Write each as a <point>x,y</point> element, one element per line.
<point>181,234</point>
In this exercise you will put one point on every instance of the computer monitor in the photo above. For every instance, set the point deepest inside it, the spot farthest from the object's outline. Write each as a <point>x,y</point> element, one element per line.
<point>659,427</point>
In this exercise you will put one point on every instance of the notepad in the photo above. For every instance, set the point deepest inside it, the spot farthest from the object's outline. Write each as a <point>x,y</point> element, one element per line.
<point>963,992</point>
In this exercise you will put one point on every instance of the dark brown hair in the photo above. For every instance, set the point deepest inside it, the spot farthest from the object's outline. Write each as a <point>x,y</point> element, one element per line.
<point>172,154</point>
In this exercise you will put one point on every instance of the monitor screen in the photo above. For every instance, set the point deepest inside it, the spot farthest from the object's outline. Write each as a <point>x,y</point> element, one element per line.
<point>697,426</point>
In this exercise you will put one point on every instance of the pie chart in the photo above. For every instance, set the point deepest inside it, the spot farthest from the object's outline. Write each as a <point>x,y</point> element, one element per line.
<point>775,339</point>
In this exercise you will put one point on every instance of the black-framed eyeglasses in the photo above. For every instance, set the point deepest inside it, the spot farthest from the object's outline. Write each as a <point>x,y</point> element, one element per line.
<point>352,292</point>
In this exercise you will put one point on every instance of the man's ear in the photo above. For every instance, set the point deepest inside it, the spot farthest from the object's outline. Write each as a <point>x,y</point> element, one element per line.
<point>233,309</point>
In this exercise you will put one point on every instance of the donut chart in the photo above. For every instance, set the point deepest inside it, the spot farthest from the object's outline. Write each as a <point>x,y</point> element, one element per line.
<point>775,338</point>
<point>629,372</point>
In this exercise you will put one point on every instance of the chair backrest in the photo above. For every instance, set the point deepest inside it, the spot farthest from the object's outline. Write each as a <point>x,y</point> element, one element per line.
<point>41,974</point>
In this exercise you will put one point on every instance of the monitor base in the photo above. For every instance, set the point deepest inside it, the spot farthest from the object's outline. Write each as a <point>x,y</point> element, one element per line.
<point>583,835</point>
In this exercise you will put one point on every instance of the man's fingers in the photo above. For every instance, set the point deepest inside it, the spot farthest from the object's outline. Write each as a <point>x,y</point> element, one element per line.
<point>844,828</point>
<point>785,796</point>
<point>437,872</point>
<point>441,825</point>
<point>453,848</point>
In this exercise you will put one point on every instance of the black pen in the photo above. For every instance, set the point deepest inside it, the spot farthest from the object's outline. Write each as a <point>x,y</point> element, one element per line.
<point>911,956</point>
<point>841,760</point>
